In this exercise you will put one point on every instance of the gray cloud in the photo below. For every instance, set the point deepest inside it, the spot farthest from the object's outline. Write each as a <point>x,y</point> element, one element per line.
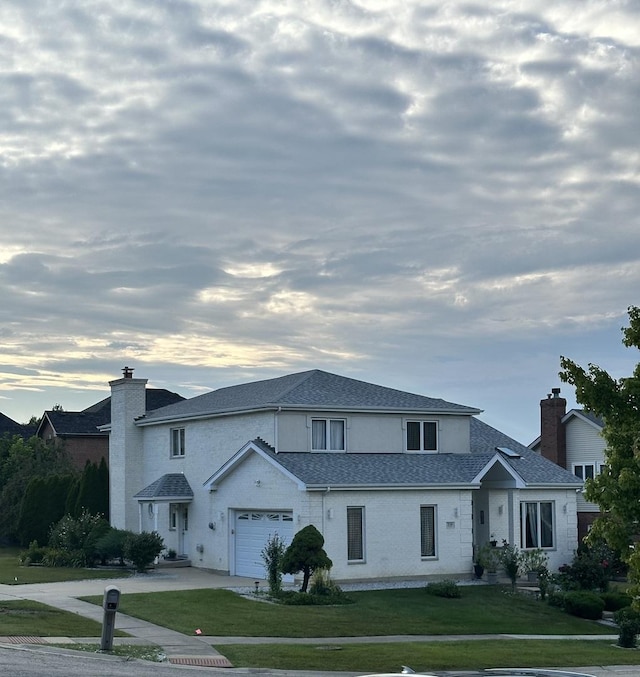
<point>442,198</point>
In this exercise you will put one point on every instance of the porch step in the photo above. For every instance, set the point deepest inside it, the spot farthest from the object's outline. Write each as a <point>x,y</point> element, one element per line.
<point>173,563</point>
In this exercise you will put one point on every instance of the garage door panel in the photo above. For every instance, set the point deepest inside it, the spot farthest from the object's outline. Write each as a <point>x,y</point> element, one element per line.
<point>253,531</point>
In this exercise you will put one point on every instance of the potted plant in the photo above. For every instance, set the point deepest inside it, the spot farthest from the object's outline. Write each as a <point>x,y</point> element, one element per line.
<point>171,554</point>
<point>534,562</point>
<point>489,559</point>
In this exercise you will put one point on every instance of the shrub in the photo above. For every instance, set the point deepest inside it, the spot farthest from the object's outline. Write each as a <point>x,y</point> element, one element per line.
<point>306,554</point>
<point>272,555</point>
<point>323,586</point>
<point>556,598</point>
<point>511,560</point>
<point>590,570</point>
<point>446,588</point>
<point>79,535</point>
<point>33,555</point>
<point>628,621</point>
<point>141,549</point>
<point>294,598</point>
<point>57,557</point>
<point>584,604</point>
<point>614,601</point>
<point>110,545</point>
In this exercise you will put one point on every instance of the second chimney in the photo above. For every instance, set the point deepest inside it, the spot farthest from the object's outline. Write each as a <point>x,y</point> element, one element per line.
<point>553,441</point>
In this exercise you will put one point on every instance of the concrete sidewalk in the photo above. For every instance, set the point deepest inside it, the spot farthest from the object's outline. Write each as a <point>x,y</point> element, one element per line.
<point>199,650</point>
<point>179,648</point>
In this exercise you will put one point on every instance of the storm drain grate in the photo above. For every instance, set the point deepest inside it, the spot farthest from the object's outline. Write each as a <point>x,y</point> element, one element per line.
<point>17,639</point>
<point>201,661</point>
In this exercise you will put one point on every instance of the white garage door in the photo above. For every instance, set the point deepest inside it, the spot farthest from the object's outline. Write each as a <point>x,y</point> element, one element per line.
<point>253,530</point>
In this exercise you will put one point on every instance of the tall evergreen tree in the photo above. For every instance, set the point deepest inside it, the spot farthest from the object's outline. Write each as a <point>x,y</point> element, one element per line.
<point>21,461</point>
<point>93,492</point>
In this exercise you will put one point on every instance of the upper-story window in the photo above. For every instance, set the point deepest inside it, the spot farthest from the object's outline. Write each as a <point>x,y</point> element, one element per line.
<point>177,442</point>
<point>327,434</point>
<point>587,471</point>
<point>422,436</point>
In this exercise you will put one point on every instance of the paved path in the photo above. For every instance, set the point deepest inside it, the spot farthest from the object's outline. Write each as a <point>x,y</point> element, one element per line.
<point>198,650</point>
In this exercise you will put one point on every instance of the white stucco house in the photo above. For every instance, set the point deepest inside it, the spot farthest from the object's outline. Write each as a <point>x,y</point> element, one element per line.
<point>400,485</point>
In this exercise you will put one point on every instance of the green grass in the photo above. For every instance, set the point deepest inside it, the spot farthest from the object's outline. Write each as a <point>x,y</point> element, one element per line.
<point>425,656</point>
<point>480,610</point>
<point>12,573</point>
<point>23,617</point>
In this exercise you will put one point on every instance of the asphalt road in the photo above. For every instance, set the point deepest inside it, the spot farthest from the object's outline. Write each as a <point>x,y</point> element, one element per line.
<point>23,661</point>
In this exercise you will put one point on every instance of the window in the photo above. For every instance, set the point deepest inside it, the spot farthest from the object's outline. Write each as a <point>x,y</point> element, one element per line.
<point>585,471</point>
<point>355,534</point>
<point>327,434</point>
<point>173,516</point>
<point>177,442</point>
<point>422,436</point>
<point>427,531</point>
<point>536,520</point>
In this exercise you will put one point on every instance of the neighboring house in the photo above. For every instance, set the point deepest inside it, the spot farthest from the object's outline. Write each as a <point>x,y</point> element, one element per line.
<point>400,485</point>
<point>80,432</point>
<point>9,427</point>
<point>574,441</point>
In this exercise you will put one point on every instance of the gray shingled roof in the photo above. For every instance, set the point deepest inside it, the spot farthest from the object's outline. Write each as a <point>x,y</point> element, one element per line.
<point>395,469</point>
<point>308,389</point>
<point>9,427</point>
<point>86,422</point>
<point>172,485</point>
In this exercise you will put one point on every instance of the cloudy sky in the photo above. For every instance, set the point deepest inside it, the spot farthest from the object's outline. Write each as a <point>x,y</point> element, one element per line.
<point>441,197</point>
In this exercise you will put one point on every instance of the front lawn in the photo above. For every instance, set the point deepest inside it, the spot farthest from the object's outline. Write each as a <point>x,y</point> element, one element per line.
<point>12,573</point>
<point>23,617</point>
<point>480,610</point>
<point>428,656</point>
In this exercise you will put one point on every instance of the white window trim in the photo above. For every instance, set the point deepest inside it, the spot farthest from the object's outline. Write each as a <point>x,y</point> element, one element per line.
<point>327,421</point>
<point>421,421</point>
<point>181,453</point>
<point>435,532</point>
<point>597,469</point>
<point>554,537</point>
<point>362,510</point>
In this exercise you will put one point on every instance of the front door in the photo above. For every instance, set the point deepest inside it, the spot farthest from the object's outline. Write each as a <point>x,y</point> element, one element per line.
<point>183,529</point>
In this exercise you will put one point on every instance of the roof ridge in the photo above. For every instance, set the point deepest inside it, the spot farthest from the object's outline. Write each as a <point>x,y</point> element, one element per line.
<point>304,376</point>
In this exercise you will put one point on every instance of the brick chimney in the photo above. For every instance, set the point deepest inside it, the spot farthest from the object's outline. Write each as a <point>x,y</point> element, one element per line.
<point>553,441</point>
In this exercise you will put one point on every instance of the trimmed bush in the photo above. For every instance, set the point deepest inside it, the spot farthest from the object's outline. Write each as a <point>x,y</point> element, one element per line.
<point>628,621</point>
<point>141,549</point>
<point>446,588</point>
<point>305,554</point>
<point>110,545</point>
<point>614,601</point>
<point>584,604</point>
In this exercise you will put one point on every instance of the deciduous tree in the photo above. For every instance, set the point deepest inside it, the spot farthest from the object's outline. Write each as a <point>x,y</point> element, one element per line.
<point>617,488</point>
